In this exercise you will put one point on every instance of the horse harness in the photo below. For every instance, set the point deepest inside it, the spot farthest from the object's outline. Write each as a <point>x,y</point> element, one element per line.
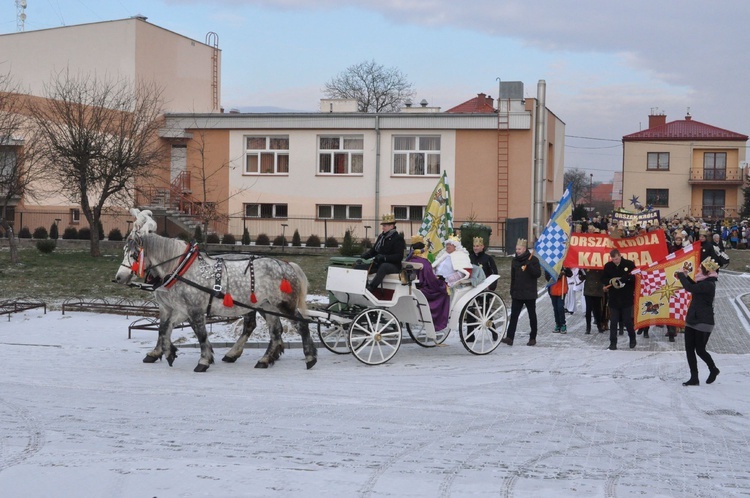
<point>185,262</point>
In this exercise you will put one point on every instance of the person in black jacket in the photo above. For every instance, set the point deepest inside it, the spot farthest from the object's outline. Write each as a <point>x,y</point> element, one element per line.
<point>480,258</point>
<point>524,273</point>
<point>620,287</point>
<point>700,319</point>
<point>386,253</point>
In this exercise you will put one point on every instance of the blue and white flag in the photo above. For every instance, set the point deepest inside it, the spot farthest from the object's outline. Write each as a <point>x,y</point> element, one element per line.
<point>553,243</point>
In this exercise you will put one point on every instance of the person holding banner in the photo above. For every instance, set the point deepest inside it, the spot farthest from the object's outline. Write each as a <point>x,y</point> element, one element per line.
<point>620,289</point>
<point>525,270</point>
<point>699,322</point>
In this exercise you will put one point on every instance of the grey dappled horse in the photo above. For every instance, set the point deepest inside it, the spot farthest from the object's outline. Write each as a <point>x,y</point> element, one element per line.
<point>279,288</point>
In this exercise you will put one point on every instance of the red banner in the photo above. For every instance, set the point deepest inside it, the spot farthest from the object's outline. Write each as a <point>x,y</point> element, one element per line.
<point>591,250</point>
<point>659,296</point>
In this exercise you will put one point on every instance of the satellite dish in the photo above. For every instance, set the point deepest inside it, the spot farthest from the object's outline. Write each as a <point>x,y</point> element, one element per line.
<point>23,4</point>
<point>23,16</point>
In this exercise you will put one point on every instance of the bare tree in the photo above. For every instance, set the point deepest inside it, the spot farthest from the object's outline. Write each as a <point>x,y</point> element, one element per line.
<point>375,87</point>
<point>580,190</point>
<point>98,137</point>
<point>20,169</point>
<point>209,200</point>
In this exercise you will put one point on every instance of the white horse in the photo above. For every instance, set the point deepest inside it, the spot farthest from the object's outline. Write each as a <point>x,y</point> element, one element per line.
<point>191,285</point>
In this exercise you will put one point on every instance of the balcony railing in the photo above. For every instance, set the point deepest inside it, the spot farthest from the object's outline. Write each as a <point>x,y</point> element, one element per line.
<point>715,212</point>
<point>726,176</point>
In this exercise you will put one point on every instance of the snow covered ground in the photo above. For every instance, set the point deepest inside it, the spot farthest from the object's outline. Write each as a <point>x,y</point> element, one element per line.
<point>81,415</point>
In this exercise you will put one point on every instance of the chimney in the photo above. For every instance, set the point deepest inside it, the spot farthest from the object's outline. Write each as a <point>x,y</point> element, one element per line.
<point>481,98</point>
<point>423,103</point>
<point>688,117</point>
<point>656,120</point>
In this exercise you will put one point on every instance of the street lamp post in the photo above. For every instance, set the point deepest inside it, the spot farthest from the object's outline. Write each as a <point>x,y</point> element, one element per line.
<point>283,232</point>
<point>367,227</point>
<point>591,191</point>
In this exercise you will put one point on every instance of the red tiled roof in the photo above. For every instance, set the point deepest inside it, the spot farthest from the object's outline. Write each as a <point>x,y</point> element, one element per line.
<point>601,192</point>
<point>684,129</point>
<point>480,104</point>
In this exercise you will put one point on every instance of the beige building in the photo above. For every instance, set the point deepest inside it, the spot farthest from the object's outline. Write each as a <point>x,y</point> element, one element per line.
<point>324,173</point>
<point>684,168</point>
<point>130,50</point>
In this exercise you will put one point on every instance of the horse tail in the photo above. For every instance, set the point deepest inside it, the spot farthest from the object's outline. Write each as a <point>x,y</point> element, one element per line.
<point>302,294</point>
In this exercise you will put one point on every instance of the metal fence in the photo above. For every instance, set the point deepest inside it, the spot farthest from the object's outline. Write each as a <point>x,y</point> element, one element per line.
<point>272,227</point>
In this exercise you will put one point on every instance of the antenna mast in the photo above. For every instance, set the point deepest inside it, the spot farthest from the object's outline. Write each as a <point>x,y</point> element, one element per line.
<point>20,14</point>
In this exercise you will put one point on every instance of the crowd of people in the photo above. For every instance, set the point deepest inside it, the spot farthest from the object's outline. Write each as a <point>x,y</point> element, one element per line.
<point>608,293</point>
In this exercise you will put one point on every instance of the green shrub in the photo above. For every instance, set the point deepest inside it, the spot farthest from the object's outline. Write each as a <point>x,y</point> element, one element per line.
<point>84,233</point>
<point>245,237</point>
<point>313,241</point>
<point>296,240</point>
<point>54,234</point>
<point>46,246</point>
<point>212,238</point>
<point>115,234</point>
<point>198,234</point>
<point>365,243</point>
<point>332,242</point>
<point>70,233</point>
<point>40,233</point>
<point>280,241</point>
<point>24,233</point>
<point>347,245</point>
<point>262,240</point>
<point>228,239</point>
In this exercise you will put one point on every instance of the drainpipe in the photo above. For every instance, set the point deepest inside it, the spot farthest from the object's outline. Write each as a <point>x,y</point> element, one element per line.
<point>377,168</point>
<point>540,156</point>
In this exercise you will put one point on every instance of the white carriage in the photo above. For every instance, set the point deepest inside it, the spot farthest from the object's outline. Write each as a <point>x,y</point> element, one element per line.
<point>371,326</point>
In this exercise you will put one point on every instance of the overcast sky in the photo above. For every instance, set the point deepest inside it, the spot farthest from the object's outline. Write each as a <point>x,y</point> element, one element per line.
<point>606,64</point>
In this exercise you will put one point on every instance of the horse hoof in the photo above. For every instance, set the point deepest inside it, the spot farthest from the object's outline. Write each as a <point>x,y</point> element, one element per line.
<point>261,365</point>
<point>311,363</point>
<point>229,359</point>
<point>151,359</point>
<point>200,368</point>
<point>170,359</point>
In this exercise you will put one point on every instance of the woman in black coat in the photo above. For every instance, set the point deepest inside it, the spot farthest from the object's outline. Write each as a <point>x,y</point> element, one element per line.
<point>700,319</point>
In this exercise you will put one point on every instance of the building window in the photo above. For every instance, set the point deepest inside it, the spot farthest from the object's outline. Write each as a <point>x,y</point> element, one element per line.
<point>267,155</point>
<point>657,197</point>
<point>339,212</point>
<point>658,161</point>
<point>265,210</point>
<point>713,203</point>
<point>715,166</point>
<point>75,216</point>
<point>8,158</point>
<point>341,155</point>
<point>416,156</point>
<point>409,213</point>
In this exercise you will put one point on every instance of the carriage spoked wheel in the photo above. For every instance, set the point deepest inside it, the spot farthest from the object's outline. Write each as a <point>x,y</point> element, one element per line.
<point>334,336</point>
<point>482,323</point>
<point>374,336</point>
<point>417,332</point>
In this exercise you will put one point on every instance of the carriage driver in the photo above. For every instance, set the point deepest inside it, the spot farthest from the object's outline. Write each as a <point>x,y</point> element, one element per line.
<point>387,252</point>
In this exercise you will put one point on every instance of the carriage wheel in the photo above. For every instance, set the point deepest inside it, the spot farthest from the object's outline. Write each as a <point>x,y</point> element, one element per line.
<point>484,320</point>
<point>417,332</point>
<point>374,336</point>
<point>334,336</point>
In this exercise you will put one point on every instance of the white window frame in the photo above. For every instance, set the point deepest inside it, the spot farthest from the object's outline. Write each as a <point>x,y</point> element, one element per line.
<point>255,210</point>
<point>279,156</point>
<point>343,151</point>
<point>418,157</point>
<point>75,216</point>
<point>334,207</point>
<point>410,213</point>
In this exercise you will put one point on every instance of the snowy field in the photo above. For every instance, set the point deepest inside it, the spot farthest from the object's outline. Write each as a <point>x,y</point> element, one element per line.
<point>82,416</point>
